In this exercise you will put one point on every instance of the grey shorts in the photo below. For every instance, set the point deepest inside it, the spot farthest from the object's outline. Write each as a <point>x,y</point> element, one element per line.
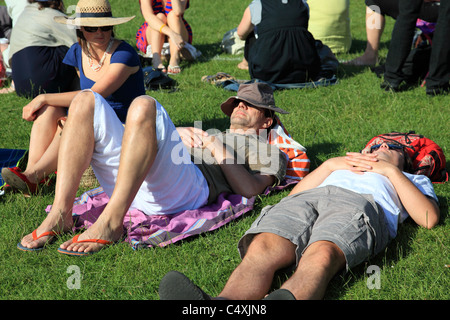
<point>352,221</point>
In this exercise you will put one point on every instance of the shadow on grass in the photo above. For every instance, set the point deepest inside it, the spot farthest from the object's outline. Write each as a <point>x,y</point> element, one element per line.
<point>217,123</point>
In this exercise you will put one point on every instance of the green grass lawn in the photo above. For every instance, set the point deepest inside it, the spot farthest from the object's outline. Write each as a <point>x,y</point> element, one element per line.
<point>327,121</point>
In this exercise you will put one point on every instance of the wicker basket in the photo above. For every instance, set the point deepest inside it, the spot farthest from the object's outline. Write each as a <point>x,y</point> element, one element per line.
<point>88,179</point>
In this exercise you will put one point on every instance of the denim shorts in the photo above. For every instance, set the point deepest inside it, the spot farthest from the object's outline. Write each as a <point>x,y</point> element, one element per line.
<point>352,221</point>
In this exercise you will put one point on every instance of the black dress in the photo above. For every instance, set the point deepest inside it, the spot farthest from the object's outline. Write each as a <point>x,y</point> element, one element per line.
<point>283,50</point>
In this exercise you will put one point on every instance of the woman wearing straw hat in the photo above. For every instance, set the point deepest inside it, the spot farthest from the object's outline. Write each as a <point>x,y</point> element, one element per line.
<point>105,65</point>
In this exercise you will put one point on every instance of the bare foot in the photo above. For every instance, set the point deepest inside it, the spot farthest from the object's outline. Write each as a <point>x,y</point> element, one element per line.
<point>56,226</point>
<point>362,61</point>
<point>176,69</point>
<point>157,63</point>
<point>243,64</point>
<point>100,230</point>
<point>7,90</point>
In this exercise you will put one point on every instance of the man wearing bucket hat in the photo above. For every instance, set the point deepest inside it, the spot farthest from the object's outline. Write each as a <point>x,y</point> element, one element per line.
<point>106,65</point>
<point>146,165</point>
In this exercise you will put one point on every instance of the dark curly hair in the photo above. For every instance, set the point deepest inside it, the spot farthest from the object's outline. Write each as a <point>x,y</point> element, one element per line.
<point>52,4</point>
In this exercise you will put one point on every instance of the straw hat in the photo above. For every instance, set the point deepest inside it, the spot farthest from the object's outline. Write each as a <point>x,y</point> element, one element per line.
<point>258,94</point>
<point>92,13</point>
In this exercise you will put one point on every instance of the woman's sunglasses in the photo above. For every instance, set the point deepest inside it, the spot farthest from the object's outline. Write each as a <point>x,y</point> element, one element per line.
<point>390,146</point>
<point>94,29</point>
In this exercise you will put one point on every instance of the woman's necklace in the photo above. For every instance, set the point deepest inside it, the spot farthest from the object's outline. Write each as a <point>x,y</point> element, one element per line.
<point>97,67</point>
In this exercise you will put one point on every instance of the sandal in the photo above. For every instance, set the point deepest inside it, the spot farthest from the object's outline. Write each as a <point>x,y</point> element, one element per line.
<point>217,78</point>
<point>35,237</point>
<point>77,253</point>
<point>173,70</point>
<point>17,180</point>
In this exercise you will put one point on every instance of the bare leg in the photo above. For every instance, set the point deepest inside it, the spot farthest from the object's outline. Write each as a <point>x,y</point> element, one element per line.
<point>253,277</point>
<point>156,39</point>
<point>319,263</point>
<point>44,144</point>
<point>374,29</point>
<point>78,134</point>
<point>139,146</point>
<point>175,22</point>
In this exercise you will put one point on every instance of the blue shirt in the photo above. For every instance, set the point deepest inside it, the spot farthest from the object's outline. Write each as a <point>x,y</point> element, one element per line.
<point>121,99</point>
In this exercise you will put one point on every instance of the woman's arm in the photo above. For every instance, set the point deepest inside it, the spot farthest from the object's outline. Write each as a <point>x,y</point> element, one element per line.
<point>29,112</point>
<point>245,26</point>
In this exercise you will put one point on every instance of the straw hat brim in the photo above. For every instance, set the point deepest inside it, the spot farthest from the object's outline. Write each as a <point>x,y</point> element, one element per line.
<point>92,22</point>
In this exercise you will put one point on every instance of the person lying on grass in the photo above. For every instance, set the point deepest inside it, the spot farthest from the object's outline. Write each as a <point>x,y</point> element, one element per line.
<point>339,215</point>
<point>146,166</point>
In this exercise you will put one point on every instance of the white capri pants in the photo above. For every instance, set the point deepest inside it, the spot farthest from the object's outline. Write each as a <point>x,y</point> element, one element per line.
<point>170,186</point>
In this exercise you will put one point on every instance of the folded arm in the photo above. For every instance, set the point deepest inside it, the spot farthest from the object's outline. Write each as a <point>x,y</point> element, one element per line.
<point>422,209</point>
<point>317,176</point>
<point>114,78</point>
<point>240,180</point>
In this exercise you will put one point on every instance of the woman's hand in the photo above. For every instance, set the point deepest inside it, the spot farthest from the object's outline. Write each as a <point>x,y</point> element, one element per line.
<point>177,39</point>
<point>29,112</point>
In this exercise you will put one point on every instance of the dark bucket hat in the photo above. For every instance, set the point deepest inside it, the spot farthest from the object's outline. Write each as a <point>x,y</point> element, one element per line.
<point>258,94</point>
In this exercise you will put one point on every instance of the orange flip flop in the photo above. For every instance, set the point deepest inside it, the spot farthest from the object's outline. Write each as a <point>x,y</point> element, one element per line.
<point>76,253</point>
<point>35,237</point>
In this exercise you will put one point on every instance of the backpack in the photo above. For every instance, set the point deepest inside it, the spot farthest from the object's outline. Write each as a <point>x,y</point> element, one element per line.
<point>155,79</point>
<point>426,155</point>
<point>231,43</point>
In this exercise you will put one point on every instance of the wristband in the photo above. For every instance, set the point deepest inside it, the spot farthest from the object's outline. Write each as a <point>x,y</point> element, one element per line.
<point>160,29</point>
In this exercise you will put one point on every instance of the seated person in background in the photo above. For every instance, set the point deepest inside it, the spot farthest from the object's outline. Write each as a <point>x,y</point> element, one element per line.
<point>338,216</point>
<point>438,78</point>
<point>376,12</point>
<point>331,23</point>
<point>164,18</point>
<point>37,48</point>
<point>9,15</point>
<point>279,48</point>
<point>106,65</point>
<point>146,166</point>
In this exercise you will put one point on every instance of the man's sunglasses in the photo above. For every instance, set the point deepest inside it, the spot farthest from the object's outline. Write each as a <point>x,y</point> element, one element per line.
<point>94,29</point>
<point>391,146</point>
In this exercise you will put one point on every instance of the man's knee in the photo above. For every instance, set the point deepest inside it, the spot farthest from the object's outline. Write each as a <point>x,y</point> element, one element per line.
<point>142,109</point>
<point>83,103</point>
<point>328,253</point>
<point>272,249</point>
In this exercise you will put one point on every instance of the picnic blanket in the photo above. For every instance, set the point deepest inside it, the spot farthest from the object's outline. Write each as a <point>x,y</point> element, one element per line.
<point>146,231</point>
<point>233,85</point>
<point>327,75</point>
